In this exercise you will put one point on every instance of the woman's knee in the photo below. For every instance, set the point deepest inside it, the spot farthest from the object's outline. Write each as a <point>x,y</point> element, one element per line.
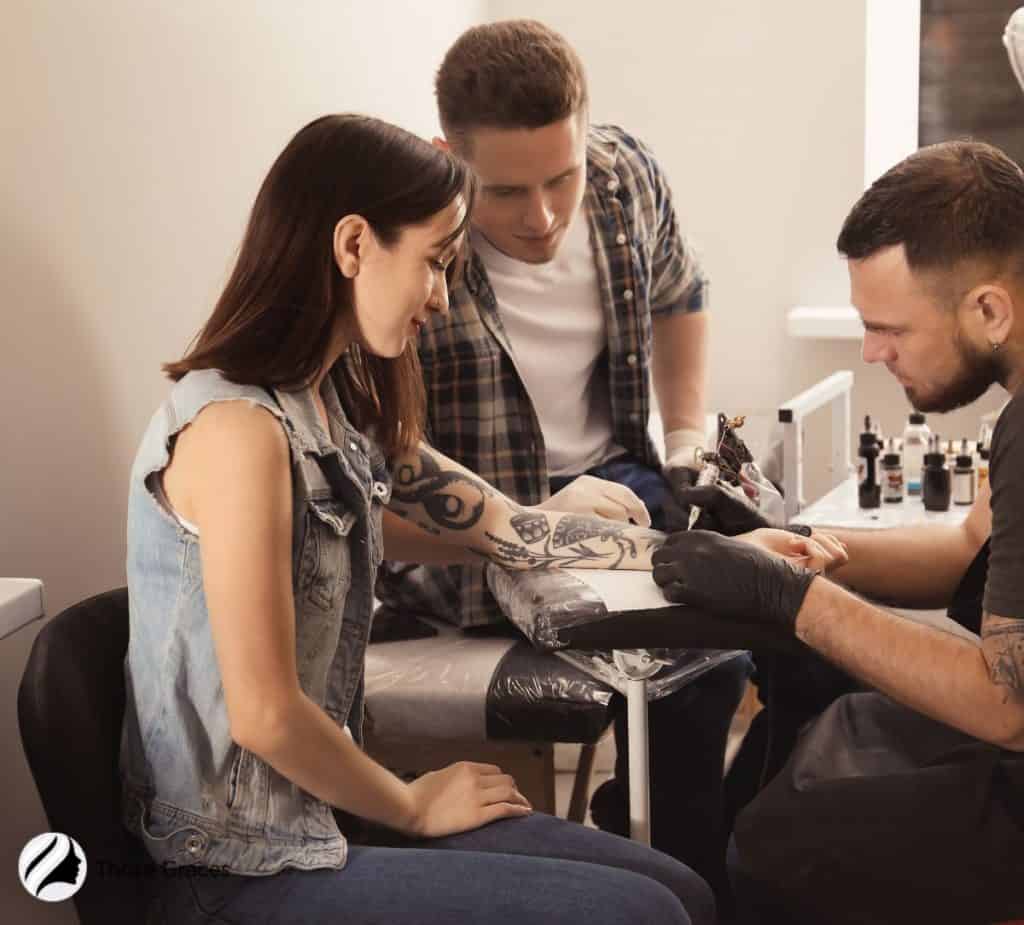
<point>622,897</point>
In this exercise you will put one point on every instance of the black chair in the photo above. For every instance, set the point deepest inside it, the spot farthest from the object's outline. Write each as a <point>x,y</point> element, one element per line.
<point>70,707</point>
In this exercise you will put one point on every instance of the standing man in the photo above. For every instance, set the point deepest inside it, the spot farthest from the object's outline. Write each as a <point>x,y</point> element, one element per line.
<point>580,293</point>
<point>905,804</point>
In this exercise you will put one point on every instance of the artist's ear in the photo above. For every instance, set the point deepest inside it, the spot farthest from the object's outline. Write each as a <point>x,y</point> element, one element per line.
<point>991,309</point>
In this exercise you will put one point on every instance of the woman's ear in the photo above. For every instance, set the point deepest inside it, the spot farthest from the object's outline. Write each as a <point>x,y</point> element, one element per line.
<point>351,237</point>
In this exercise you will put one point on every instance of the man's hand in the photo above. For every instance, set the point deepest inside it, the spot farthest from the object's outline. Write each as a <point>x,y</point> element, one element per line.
<point>720,509</point>
<point>731,577</point>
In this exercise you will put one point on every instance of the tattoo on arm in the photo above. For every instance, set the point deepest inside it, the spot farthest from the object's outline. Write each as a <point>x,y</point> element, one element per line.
<point>424,484</point>
<point>1002,641</point>
<point>567,545</point>
<point>436,499</point>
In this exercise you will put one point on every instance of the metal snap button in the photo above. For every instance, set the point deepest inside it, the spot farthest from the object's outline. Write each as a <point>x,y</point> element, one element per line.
<point>380,489</point>
<point>620,238</point>
<point>631,359</point>
<point>627,294</point>
<point>195,843</point>
<point>613,185</point>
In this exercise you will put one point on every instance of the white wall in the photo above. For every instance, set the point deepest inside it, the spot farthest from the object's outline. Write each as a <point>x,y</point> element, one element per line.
<point>136,134</point>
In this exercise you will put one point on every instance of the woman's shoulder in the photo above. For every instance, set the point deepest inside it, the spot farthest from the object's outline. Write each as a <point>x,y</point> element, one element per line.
<point>201,387</point>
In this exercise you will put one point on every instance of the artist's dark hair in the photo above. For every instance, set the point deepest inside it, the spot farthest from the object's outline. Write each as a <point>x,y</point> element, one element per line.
<point>949,205</point>
<point>273,322</point>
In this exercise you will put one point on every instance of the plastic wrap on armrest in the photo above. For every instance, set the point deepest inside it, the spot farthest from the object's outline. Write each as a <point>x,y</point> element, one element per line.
<point>534,695</point>
<point>543,604</point>
<point>676,667</point>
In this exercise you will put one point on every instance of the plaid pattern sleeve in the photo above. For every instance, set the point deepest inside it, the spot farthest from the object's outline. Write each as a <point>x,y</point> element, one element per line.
<point>478,410</point>
<point>677,282</point>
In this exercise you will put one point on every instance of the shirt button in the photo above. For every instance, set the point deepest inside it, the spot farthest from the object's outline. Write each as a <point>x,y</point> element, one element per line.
<point>627,294</point>
<point>613,185</point>
<point>631,359</point>
<point>634,418</point>
<point>380,489</point>
<point>620,238</point>
<point>353,446</point>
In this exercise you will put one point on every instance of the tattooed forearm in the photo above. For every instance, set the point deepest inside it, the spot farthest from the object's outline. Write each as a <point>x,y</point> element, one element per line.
<point>434,498</point>
<point>1002,641</point>
<point>443,498</point>
<point>567,545</point>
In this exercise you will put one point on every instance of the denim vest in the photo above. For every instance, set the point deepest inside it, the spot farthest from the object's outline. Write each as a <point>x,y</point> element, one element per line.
<point>191,793</point>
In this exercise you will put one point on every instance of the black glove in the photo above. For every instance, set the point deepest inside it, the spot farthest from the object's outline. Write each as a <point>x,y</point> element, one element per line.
<point>720,510</point>
<point>731,577</point>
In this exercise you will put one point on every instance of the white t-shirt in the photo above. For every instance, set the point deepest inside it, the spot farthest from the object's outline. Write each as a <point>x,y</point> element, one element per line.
<point>556,326</point>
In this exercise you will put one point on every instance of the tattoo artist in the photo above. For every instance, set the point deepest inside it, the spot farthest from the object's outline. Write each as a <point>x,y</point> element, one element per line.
<point>903,802</point>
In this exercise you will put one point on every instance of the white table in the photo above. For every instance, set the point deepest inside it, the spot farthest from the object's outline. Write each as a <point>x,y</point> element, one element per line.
<point>21,602</point>
<point>839,509</point>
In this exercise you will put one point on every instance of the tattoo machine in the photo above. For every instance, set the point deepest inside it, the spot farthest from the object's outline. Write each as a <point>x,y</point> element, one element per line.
<point>708,475</point>
<point>732,466</point>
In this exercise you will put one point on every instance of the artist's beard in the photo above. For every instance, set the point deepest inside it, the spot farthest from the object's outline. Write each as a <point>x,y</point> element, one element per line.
<point>977,371</point>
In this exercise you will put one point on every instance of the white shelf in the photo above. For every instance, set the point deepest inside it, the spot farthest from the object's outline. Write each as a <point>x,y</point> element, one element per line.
<point>21,602</point>
<point>839,509</point>
<point>824,322</point>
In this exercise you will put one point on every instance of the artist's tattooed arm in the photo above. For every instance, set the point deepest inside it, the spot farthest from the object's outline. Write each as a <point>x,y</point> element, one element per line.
<point>449,502</point>
<point>1002,641</point>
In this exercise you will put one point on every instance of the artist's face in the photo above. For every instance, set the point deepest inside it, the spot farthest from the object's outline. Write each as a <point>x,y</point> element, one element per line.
<point>532,183</point>
<point>935,351</point>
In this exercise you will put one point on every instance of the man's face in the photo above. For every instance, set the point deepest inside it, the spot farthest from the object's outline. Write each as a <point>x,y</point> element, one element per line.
<point>532,183</point>
<point>923,343</point>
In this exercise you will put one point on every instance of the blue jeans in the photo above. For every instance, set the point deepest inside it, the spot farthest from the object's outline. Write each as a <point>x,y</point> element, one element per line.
<point>688,731</point>
<point>525,871</point>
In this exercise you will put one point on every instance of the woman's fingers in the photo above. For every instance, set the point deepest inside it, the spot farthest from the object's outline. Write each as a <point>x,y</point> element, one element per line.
<point>506,793</point>
<point>497,811</point>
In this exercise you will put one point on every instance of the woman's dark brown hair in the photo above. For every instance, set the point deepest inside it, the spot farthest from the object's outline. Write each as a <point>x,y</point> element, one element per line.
<point>274,320</point>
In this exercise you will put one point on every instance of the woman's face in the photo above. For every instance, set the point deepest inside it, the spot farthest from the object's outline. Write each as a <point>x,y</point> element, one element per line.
<point>396,288</point>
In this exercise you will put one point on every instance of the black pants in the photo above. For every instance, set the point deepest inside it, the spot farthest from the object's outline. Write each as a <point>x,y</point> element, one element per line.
<point>688,731</point>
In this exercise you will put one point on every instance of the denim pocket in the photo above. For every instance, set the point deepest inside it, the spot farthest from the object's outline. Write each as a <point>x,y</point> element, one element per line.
<point>236,766</point>
<point>325,563</point>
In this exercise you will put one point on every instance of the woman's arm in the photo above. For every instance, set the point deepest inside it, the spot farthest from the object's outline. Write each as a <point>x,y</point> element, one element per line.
<point>231,476</point>
<point>447,509</point>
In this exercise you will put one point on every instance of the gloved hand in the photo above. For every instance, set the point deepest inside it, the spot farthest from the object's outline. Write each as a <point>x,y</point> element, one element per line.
<point>720,510</point>
<point>731,577</point>
<point>592,496</point>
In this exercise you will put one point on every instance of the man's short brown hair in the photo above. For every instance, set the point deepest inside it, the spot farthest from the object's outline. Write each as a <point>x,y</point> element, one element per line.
<point>512,74</point>
<point>954,206</point>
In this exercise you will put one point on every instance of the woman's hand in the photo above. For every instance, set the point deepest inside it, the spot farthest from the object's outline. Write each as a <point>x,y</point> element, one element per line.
<point>821,552</point>
<point>594,497</point>
<point>461,797</point>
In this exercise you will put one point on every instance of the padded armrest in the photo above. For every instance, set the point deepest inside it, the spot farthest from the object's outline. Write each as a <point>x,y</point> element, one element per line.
<point>555,610</point>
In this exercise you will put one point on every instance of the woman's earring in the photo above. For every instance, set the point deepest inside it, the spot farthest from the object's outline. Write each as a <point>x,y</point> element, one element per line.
<point>995,345</point>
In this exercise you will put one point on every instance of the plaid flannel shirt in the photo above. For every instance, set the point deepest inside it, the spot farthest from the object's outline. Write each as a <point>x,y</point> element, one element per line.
<point>478,410</point>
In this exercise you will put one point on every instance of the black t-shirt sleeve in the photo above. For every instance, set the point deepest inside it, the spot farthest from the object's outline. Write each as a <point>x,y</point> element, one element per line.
<point>1004,588</point>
